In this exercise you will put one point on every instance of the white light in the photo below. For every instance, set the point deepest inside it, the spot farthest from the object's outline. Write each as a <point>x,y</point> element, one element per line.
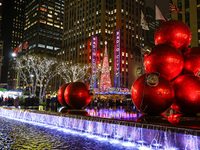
<point>128,144</point>
<point>14,54</point>
<point>144,148</point>
<point>114,141</point>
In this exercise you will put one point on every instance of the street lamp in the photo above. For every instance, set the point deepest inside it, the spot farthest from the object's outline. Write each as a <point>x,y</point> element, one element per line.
<point>14,54</point>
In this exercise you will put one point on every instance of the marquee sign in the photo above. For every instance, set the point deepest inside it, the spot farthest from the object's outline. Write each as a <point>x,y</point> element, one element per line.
<point>94,62</point>
<point>117,59</point>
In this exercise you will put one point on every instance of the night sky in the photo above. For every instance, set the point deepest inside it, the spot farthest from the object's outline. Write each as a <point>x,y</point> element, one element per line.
<point>163,5</point>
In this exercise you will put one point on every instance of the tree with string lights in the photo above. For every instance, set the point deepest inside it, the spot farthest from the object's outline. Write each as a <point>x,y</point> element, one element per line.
<point>36,71</point>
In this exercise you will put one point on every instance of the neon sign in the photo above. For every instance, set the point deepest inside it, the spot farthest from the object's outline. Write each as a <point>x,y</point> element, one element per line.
<point>94,62</point>
<point>117,59</point>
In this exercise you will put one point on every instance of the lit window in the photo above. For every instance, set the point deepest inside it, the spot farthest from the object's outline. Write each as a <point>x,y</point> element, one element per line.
<point>48,23</point>
<point>49,15</point>
<point>42,21</point>
<point>126,54</point>
<point>50,47</point>
<point>43,9</point>
<point>41,45</point>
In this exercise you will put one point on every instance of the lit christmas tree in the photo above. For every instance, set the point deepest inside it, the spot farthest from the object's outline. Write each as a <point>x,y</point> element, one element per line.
<point>105,81</point>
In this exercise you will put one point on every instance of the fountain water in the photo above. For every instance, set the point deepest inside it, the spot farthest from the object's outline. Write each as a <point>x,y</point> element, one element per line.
<point>141,135</point>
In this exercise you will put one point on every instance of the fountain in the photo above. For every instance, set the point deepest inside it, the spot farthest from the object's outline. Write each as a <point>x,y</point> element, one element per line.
<point>128,133</point>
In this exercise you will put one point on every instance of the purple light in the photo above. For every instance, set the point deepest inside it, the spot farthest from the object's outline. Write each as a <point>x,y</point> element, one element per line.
<point>116,132</point>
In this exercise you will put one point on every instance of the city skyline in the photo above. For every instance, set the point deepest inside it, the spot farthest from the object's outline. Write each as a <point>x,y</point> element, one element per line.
<point>164,7</point>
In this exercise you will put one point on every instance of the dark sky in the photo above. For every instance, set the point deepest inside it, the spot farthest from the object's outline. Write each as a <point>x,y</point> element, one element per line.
<point>163,5</point>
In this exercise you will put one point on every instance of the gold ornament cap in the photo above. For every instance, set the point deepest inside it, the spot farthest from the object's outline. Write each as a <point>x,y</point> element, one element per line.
<point>153,79</point>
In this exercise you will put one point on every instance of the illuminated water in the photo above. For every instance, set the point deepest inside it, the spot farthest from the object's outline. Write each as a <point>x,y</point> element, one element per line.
<point>17,135</point>
<point>109,132</point>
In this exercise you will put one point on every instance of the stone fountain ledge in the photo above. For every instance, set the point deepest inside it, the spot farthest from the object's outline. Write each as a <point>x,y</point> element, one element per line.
<point>59,119</point>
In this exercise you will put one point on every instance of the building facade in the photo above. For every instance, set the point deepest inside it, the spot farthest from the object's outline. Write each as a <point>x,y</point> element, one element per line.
<point>153,24</point>
<point>191,16</point>
<point>1,41</point>
<point>43,26</point>
<point>40,24</point>
<point>88,24</point>
<point>17,38</point>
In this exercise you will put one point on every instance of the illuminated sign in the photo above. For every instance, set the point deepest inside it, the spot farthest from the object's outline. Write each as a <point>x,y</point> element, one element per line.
<point>117,59</point>
<point>94,62</point>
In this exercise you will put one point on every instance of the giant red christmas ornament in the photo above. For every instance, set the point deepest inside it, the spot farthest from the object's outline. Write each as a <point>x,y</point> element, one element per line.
<point>77,95</point>
<point>61,98</point>
<point>152,94</point>
<point>165,59</point>
<point>174,33</point>
<point>187,94</point>
<point>192,60</point>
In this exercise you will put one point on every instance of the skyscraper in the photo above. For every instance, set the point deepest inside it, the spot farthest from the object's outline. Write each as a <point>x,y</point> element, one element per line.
<point>153,25</point>
<point>17,38</point>
<point>191,16</point>
<point>1,41</point>
<point>43,26</point>
<point>117,22</point>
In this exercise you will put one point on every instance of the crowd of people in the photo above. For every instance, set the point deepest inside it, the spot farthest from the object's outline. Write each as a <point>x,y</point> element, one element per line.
<point>52,103</point>
<point>110,102</point>
<point>9,101</point>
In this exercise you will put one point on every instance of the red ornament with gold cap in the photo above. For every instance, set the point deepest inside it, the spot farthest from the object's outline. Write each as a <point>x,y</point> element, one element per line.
<point>152,93</point>
<point>174,33</point>
<point>165,59</point>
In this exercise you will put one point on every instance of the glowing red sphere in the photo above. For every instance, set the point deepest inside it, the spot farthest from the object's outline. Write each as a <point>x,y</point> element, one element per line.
<point>61,98</point>
<point>187,94</point>
<point>192,60</point>
<point>174,33</point>
<point>165,59</point>
<point>152,94</point>
<point>77,95</point>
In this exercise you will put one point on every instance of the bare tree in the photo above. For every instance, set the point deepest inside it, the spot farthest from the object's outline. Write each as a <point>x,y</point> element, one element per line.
<point>73,73</point>
<point>37,71</point>
<point>96,77</point>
